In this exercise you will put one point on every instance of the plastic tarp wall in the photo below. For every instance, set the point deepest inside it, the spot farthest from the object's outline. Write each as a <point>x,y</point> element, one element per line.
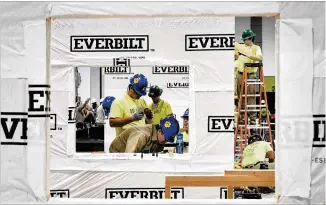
<point>167,42</point>
<point>21,56</point>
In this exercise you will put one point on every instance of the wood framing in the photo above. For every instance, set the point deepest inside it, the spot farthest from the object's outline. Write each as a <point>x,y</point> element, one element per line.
<point>92,16</point>
<point>240,173</point>
<point>48,81</point>
<point>230,179</point>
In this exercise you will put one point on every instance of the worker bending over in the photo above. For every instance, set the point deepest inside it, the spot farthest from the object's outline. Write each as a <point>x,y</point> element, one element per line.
<point>137,138</point>
<point>131,110</point>
<point>255,153</point>
<point>248,53</point>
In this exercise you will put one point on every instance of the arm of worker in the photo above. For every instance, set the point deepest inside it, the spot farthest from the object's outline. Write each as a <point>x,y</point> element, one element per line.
<point>258,56</point>
<point>117,119</point>
<point>168,110</point>
<point>269,153</point>
<point>148,113</point>
<point>83,105</point>
<point>136,142</point>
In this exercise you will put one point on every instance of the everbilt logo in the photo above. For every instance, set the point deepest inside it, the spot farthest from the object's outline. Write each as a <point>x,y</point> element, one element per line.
<point>14,128</point>
<point>71,115</point>
<point>116,43</point>
<point>319,131</point>
<point>297,128</point>
<point>209,42</point>
<point>177,85</point>
<point>142,193</point>
<point>53,121</point>
<point>173,69</point>
<point>120,66</point>
<point>39,101</point>
<point>14,124</point>
<point>64,193</point>
<point>220,123</point>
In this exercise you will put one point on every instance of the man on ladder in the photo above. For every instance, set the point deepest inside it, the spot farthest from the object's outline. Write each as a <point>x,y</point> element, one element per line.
<point>249,53</point>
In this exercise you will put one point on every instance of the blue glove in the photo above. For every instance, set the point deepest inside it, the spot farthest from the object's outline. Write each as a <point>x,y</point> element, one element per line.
<point>137,116</point>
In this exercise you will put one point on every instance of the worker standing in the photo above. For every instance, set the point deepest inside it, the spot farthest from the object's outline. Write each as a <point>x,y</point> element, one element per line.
<point>131,109</point>
<point>104,108</point>
<point>159,107</point>
<point>153,136</point>
<point>249,53</point>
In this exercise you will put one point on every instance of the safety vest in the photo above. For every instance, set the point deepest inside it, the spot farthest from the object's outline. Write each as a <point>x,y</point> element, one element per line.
<point>243,59</point>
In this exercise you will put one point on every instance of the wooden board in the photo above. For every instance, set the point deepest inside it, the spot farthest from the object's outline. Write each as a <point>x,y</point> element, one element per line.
<point>258,179</point>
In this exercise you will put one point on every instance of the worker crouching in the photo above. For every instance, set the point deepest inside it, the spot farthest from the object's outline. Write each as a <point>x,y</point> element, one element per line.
<point>136,139</point>
<point>255,153</point>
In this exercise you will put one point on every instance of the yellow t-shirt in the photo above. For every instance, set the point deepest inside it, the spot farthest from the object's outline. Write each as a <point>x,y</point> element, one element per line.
<point>255,152</point>
<point>162,110</point>
<point>254,50</point>
<point>126,107</point>
<point>236,68</point>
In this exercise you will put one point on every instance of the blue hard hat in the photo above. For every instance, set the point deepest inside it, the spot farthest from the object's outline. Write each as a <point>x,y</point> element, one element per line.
<point>107,102</point>
<point>139,83</point>
<point>185,114</point>
<point>170,127</point>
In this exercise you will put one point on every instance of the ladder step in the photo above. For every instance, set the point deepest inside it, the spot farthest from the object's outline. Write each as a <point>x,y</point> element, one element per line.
<point>251,95</point>
<point>256,105</point>
<point>250,110</point>
<point>255,83</point>
<point>253,80</point>
<point>254,127</point>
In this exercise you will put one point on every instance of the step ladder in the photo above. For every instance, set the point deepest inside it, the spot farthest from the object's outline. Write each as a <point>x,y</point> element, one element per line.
<point>243,131</point>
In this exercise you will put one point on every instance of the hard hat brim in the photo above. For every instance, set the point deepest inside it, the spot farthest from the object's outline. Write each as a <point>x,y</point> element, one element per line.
<point>248,37</point>
<point>141,93</point>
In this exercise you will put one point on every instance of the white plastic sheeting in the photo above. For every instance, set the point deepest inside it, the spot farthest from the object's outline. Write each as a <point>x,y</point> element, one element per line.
<point>295,120</point>
<point>15,52</point>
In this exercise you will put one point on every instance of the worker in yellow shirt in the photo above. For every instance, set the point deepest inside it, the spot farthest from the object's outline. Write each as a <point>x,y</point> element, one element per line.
<point>249,53</point>
<point>137,138</point>
<point>255,153</point>
<point>159,107</point>
<point>131,110</point>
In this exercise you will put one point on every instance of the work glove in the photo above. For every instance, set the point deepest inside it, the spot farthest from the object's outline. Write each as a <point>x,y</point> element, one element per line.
<point>148,113</point>
<point>137,116</point>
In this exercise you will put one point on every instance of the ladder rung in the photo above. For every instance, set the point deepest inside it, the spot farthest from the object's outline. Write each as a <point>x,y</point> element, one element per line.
<point>267,123</point>
<point>251,95</point>
<point>255,83</point>
<point>254,127</point>
<point>253,80</point>
<point>256,105</point>
<point>251,110</point>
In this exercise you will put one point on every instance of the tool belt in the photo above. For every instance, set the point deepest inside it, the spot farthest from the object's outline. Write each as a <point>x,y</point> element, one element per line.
<point>252,165</point>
